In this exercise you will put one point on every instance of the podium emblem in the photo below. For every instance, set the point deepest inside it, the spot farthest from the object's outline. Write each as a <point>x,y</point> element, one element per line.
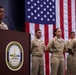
<point>14,56</point>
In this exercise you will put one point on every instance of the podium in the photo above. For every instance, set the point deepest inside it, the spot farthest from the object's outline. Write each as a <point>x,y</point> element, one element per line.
<point>14,53</point>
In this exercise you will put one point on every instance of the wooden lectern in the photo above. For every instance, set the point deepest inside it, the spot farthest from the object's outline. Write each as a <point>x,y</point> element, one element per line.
<point>14,53</point>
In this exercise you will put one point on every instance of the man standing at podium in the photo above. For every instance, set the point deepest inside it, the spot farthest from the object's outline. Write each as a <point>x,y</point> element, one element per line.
<point>2,25</point>
<point>37,50</point>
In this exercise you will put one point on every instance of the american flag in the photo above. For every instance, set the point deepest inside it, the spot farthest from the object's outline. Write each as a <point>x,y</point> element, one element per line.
<point>48,15</point>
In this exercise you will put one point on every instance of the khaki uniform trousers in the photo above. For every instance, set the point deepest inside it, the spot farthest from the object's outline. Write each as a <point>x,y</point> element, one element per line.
<point>69,64</point>
<point>37,65</point>
<point>74,64</point>
<point>57,65</point>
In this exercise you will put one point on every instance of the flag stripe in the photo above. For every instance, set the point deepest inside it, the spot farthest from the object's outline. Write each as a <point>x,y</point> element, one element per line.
<point>27,27</point>
<point>62,17</point>
<point>36,26</point>
<point>69,17</point>
<point>65,19</point>
<point>54,27</point>
<point>46,54</point>
<point>73,14</point>
<point>32,30</point>
<point>58,14</point>
<point>50,30</point>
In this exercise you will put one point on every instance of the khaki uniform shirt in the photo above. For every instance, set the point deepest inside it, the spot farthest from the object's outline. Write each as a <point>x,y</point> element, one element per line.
<point>72,46</point>
<point>57,46</point>
<point>3,26</point>
<point>37,47</point>
<point>68,42</point>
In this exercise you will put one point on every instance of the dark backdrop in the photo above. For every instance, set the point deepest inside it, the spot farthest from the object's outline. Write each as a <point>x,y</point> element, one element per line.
<point>15,10</point>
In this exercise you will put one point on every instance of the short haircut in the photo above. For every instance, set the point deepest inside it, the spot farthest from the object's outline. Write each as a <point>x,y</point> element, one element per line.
<point>71,32</point>
<point>1,6</point>
<point>37,30</point>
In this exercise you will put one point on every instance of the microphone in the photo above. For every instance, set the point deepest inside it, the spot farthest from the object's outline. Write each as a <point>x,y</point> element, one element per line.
<point>11,22</point>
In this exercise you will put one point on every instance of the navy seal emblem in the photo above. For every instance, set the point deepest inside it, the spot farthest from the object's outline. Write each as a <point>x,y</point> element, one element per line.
<point>14,56</point>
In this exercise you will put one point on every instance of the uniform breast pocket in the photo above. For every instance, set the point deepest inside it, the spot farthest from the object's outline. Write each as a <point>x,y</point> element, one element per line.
<point>36,45</point>
<point>62,45</point>
<point>56,45</point>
